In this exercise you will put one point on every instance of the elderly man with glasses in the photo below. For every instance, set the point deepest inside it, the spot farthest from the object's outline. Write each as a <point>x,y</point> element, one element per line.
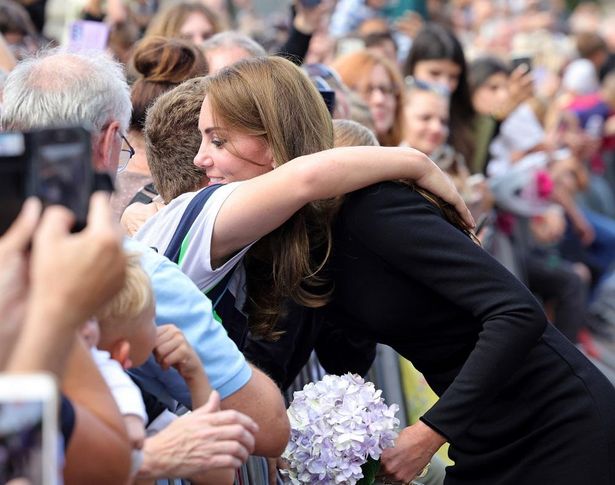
<point>60,88</point>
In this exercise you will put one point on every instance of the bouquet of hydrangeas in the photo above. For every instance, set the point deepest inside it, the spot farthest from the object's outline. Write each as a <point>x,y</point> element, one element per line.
<point>339,427</point>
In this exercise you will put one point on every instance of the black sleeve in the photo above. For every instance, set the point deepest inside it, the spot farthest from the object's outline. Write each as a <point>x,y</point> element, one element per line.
<point>67,419</point>
<point>296,46</point>
<point>408,232</point>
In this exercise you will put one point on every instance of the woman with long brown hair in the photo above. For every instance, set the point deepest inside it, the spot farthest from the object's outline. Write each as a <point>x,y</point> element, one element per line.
<point>518,403</point>
<point>258,115</point>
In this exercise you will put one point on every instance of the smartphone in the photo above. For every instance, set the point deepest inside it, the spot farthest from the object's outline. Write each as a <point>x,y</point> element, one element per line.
<point>517,61</point>
<point>87,35</point>
<point>29,433</point>
<point>53,164</point>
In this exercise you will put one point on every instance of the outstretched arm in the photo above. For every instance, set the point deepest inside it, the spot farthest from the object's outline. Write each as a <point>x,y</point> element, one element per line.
<point>262,204</point>
<point>260,399</point>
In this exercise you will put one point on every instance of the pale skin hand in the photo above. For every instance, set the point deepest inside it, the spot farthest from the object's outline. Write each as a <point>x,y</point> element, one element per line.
<point>438,183</point>
<point>90,279</point>
<point>71,276</point>
<point>414,448</point>
<point>137,214</point>
<point>14,275</point>
<point>521,88</point>
<point>173,350</point>
<point>309,19</point>
<point>203,440</point>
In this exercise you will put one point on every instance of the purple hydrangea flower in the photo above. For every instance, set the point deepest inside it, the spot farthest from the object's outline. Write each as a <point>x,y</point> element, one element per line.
<point>336,424</point>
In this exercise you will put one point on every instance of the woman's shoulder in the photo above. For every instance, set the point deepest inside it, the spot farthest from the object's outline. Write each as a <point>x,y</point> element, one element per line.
<point>387,203</point>
<point>387,193</point>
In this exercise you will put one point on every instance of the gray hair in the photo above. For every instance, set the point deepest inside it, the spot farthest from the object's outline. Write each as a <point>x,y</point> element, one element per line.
<point>231,38</point>
<point>56,87</point>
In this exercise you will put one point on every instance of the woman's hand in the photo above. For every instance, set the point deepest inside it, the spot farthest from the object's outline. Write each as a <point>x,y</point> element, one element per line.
<point>438,183</point>
<point>413,450</point>
<point>520,89</point>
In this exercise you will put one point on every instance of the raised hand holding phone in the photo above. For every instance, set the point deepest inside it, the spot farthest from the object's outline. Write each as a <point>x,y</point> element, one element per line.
<point>14,276</point>
<point>310,14</point>
<point>52,164</point>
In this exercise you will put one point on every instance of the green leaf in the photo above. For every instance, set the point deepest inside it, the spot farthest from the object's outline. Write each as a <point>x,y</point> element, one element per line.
<point>370,468</point>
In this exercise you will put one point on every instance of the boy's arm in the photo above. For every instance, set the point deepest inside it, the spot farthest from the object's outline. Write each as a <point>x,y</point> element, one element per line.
<point>260,399</point>
<point>173,350</point>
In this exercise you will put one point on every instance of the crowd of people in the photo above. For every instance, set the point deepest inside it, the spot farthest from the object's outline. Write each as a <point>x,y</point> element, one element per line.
<point>435,176</point>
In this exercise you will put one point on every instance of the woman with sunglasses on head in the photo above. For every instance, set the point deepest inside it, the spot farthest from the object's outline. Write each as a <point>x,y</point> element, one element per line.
<point>518,403</point>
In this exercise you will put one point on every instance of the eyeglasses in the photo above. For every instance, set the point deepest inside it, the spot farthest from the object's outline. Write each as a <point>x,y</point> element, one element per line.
<point>125,154</point>
<point>383,88</point>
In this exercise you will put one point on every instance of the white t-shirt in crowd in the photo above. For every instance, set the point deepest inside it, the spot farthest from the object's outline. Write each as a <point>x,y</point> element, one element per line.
<point>195,258</point>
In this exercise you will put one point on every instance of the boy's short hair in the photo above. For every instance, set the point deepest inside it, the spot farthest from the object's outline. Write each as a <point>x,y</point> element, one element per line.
<point>133,299</point>
<point>172,139</point>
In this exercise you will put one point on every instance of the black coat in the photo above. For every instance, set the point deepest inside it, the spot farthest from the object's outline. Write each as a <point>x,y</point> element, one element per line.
<point>518,403</point>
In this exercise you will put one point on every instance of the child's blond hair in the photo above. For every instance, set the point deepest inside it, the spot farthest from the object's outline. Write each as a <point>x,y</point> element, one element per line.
<point>133,299</point>
<point>348,133</point>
